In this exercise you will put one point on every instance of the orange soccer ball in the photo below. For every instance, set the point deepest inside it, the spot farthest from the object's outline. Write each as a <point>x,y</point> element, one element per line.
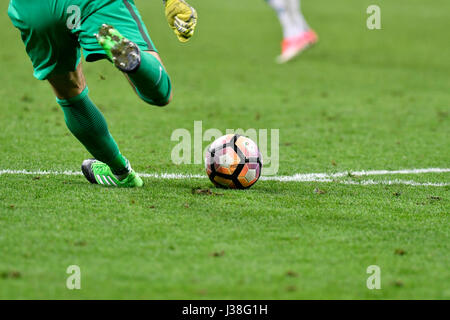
<point>233,161</point>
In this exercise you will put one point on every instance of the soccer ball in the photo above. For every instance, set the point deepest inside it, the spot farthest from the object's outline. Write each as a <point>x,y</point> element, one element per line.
<point>233,161</point>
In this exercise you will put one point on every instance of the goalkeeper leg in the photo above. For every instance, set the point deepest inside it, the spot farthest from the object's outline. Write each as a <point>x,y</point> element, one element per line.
<point>89,126</point>
<point>144,70</point>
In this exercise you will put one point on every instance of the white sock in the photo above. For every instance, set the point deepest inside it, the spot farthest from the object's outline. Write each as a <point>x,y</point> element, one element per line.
<point>296,15</point>
<point>280,7</point>
<point>291,19</point>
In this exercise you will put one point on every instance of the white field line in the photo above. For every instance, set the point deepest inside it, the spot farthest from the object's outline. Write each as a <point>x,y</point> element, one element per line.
<point>301,177</point>
<point>386,182</point>
<point>314,176</point>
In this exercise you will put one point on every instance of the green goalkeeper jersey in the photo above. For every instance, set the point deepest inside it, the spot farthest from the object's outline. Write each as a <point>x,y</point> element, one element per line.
<point>55,31</point>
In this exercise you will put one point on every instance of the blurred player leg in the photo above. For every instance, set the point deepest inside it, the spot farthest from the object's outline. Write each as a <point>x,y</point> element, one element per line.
<point>297,35</point>
<point>284,16</point>
<point>297,18</point>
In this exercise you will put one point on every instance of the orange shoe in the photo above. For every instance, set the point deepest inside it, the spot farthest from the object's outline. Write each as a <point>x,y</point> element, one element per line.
<point>292,47</point>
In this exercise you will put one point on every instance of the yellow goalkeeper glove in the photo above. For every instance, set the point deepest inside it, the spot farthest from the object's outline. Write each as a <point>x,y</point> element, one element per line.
<point>182,18</point>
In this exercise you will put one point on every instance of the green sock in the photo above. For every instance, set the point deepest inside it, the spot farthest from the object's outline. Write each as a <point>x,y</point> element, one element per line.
<point>151,81</point>
<point>89,126</point>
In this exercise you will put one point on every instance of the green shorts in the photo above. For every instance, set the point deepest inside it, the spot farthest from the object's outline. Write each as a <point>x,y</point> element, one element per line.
<point>55,31</point>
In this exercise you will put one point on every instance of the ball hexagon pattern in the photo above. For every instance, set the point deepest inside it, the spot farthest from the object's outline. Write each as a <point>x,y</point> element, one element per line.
<point>233,161</point>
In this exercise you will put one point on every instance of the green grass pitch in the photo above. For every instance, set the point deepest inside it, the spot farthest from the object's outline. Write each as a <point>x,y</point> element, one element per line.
<point>359,100</point>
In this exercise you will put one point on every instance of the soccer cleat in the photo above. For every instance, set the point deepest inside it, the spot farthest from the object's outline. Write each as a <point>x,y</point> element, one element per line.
<point>292,47</point>
<point>97,172</point>
<point>124,53</point>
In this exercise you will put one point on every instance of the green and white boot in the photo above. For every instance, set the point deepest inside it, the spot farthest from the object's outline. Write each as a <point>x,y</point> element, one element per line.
<point>124,53</point>
<point>97,172</point>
